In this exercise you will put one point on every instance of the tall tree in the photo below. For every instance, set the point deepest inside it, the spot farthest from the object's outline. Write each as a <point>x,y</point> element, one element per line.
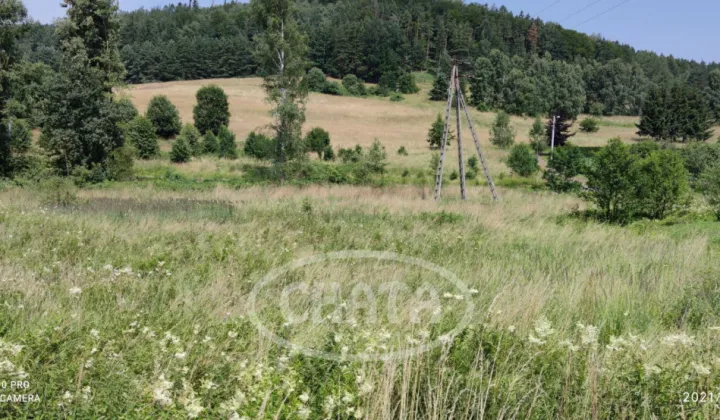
<point>441,85</point>
<point>12,18</point>
<point>280,54</point>
<point>78,115</point>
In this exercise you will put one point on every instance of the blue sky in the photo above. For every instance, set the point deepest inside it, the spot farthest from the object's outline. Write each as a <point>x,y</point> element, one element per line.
<point>685,29</point>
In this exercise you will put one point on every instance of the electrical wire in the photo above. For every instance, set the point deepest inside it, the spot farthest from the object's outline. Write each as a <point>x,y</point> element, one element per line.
<point>602,13</point>
<point>548,7</point>
<point>582,10</point>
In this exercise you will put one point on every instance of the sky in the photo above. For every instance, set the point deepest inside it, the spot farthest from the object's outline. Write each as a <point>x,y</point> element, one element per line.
<point>685,29</point>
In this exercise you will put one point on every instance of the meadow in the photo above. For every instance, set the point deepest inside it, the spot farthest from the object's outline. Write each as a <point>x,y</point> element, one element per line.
<point>131,300</point>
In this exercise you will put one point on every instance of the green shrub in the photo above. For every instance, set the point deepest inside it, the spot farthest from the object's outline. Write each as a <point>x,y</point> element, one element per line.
<point>164,116</point>
<point>612,181</point>
<point>351,155</point>
<point>396,97</point>
<point>644,149</point>
<point>502,134</point>
<point>20,137</point>
<point>120,165</point>
<point>181,151</point>
<point>332,88</point>
<point>192,138</point>
<point>597,109</point>
<point>473,163</point>
<point>212,110</point>
<point>317,140</point>
<point>454,175</point>
<point>388,82</point>
<point>258,146</point>
<point>589,125</point>
<point>328,154</point>
<point>354,85</point>
<point>662,183</point>
<point>566,163</point>
<point>227,148</point>
<point>376,159</point>
<point>700,156</point>
<point>522,160</point>
<point>538,141</point>
<point>434,162</point>
<point>402,151</point>
<point>126,110</point>
<point>436,132</point>
<point>210,143</point>
<point>315,80</point>
<point>141,133</point>
<point>710,187</point>
<point>406,84</point>
<point>57,191</point>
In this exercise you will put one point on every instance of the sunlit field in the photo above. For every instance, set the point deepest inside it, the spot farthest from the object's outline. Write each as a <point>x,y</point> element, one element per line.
<point>139,299</point>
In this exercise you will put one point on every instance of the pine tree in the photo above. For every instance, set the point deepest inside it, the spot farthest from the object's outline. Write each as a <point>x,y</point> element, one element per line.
<point>140,132</point>
<point>435,135</point>
<point>655,120</point>
<point>502,134</point>
<point>192,137</point>
<point>317,141</point>
<point>441,85</point>
<point>563,124</point>
<point>181,151</point>
<point>538,139</point>
<point>227,148</point>
<point>210,143</point>
<point>212,110</point>
<point>164,116</point>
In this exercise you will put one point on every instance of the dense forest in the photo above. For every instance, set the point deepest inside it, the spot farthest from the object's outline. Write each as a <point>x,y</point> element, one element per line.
<point>512,53</point>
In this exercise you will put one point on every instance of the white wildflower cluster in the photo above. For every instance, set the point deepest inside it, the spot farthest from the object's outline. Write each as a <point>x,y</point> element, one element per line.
<point>7,368</point>
<point>588,335</point>
<point>543,330</point>
<point>678,340</point>
<point>617,344</point>
<point>190,402</point>
<point>701,369</point>
<point>117,272</point>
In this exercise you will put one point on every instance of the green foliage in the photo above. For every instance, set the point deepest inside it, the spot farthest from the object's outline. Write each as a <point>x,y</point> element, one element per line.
<point>644,149</point>
<point>164,116</point>
<point>351,155</point>
<point>502,134</point>
<point>538,140</point>
<point>681,113</point>
<point>212,110</point>
<point>328,154</point>
<point>563,124</point>
<point>192,137</point>
<point>441,85</point>
<point>662,183</point>
<point>474,163</point>
<point>611,181</point>
<point>57,191</point>
<point>700,156</point>
<point>259,146</point>
<point>332,88</point>
<point>120,166</point>
<point>597,109</point>
<point>589,125</point>
<point>376,160</point>
<point>710,187</point>
<point>435,135</point>
<point>434,162</point>
<point>565,164</point>
<point>140,133</point>
<point>316,80</point>
<point>522,160</point>
<point>210,143</point>
<point>20,137</point>
<point>227,148</point>
<point>402,151</point>
<point>317,140</point>
<point>181,151</point>
<point>388,83</point>
<point>126,110</point>
<point>396,97</point>
<point>354,85</point>
<point>406,84</point>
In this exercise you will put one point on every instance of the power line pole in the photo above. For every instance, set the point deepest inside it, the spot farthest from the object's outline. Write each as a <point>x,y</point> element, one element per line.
<point>463,193</point>
<point>552,142</point>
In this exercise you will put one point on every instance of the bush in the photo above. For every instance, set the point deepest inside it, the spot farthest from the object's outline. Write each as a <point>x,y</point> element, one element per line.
<point>388,82</point>
<point>473,163</point>
<point>332,88</point>
<point>522,160</point>
<point>317,140</point>
<point>699,157</point>
<point>434,162</point>
<point>258,146</point>
<point>396,97</point>
<point>58,191</point>
<point>212,110</point>
<point>227,148</point>
<point>402,151</point>
<point>181,151</point>
<point>376,159</point>
<point>354,86</point>
<point>538,141</point>
<point>662,183</point>
<point>20,137</point>
<point>406,84</point>
<point>192,138</point>
<point>328,154</point>
<point>597,109</point>
<point>644,149</point>
<point>120,165</point>
<point>435,135</point>
<point>351,155</point>
<point>315,80</point>
<point>140,132</point>
<point>502,134</point>
<point>566,163</point>
<point>589,125</point>
<point>710,187</point>
<point>210,143</point>
<point>164,116</point>
<point>454,175</point>
<point>126,110</point>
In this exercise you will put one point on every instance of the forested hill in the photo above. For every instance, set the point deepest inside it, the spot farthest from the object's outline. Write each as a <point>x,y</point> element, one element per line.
<point>371,37</point>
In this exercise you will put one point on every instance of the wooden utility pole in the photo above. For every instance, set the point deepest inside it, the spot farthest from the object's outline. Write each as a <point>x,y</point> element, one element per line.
<point>454,90</point>
<point>552,141</point>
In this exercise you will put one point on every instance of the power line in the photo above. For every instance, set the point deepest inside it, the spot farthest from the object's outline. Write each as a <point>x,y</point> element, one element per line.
<point>553,4</point>
<point>602,13</point>
<point>582,10</point>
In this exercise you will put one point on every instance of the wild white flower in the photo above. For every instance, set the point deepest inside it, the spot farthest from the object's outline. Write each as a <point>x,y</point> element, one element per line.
<point>95,334</point>
<point>437,311</point>
<point>207,339</point>
<point>652,370</point>
<point>180,355</point>
<point>679,339</point>
<point>358,414</point>
<point>94,350</point>
<point>473,291</point>
<point>534,340</point>
<point>511,329</point>
<point>89,363</point>
<point>161,391</point>
<point>7,367</point>
<point>134,324</point>
<point>329,405</point>
<point>338,338</point>
<point>234,403</point>
<point>543,328</point>
<point>588,334</point>
<point>304,397</point>
<point>714,328</point>
<point>701,369</point>
<point>208,384</point>
<point>75,291</point>
<point>348,398</point>
<point>67,396</point>
<point>572,347</point>
<point>190,402</point>
<point>232,334</point>
<point>448,295</point>
<point>459,297</point>
<point>303,412</point>
<point>616,343</point>
<point>445,339</point>
<point>86,393</point>
<point>108,267</point>
<point>366,388</point>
